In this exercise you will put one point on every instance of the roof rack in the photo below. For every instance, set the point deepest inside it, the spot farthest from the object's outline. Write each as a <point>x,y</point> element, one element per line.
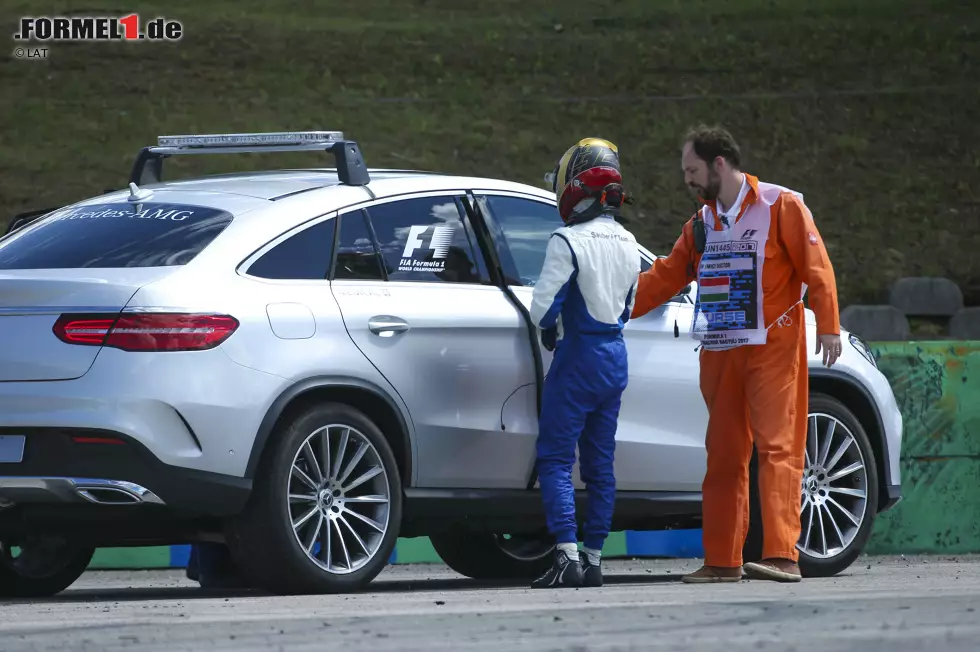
<point>148,167</point>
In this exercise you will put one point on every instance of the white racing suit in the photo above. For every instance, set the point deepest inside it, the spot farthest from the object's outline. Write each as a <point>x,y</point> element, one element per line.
<point>582,300</point>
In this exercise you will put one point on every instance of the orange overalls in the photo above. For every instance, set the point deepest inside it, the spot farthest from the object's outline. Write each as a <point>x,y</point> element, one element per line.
<point>756,388</point>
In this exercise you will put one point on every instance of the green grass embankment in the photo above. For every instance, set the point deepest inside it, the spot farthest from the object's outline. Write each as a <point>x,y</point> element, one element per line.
<point>869,108</point>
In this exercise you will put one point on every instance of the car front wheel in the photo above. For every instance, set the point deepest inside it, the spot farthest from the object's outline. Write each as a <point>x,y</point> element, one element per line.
<point>838,493</point>
<point>326,506</point>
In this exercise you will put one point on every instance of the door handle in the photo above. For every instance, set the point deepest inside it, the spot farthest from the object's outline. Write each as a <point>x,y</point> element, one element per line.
<point>386,326</point>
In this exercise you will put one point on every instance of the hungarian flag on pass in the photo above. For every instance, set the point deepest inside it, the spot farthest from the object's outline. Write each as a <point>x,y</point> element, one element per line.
<point>714,290</point>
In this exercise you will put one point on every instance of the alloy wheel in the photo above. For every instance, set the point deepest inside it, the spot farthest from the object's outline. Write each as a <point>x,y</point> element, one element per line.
<point>834,491</point>
<point>339,498</point>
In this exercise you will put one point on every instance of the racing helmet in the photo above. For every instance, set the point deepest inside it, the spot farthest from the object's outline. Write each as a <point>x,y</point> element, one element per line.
<point>589,169</point>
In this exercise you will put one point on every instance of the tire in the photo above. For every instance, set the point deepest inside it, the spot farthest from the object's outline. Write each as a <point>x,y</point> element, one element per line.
<point>815,561</point>
<point>262,538</point>
<point>44,567</point>
<point>493,557</point>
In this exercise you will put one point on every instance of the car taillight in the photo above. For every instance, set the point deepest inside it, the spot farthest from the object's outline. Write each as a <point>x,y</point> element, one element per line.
<point>83,330</point>
<point>150,331</point>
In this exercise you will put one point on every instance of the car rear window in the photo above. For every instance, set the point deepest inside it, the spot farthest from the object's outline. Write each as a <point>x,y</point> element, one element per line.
<point>114,235</point>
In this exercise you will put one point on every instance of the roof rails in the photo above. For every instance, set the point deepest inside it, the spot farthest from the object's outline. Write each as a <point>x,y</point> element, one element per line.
<point>148,167</point>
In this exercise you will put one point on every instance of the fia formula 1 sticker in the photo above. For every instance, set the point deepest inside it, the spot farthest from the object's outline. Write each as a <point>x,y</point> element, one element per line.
<point>426,248</point>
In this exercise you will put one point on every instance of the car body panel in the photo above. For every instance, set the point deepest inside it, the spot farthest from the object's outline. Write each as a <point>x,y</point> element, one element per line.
<point>33,300</point>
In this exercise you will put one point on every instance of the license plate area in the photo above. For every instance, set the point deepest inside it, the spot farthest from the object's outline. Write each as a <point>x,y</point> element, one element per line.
<point>12,449</point>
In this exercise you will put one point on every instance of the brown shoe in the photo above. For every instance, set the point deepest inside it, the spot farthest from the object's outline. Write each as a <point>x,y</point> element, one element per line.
<point>777,570</point>
<point>713,575</point>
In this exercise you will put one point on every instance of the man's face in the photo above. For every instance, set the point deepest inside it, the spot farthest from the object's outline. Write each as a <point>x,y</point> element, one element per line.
<point>701,179</point>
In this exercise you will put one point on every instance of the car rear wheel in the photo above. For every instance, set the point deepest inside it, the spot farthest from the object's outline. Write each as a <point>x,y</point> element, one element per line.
<point>41,568</point>
<point>838,493</point>
<point>495,556</point>
<point>326,506</point>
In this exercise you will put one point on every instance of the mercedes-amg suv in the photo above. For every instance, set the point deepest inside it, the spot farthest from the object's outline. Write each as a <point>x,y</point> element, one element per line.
<point>308,364</point>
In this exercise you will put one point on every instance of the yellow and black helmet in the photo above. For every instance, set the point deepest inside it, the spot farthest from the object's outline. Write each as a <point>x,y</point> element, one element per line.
<point>588,169</point>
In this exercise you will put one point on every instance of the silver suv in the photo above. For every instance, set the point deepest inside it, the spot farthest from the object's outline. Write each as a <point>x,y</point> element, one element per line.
<point>308,364</point>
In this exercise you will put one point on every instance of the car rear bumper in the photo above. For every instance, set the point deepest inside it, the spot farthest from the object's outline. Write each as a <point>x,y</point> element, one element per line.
<point>190,410</point>
<point>66,466</point>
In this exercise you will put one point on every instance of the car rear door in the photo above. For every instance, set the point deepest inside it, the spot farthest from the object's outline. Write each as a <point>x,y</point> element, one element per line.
<point>416,298</point>
<point>660,438</point>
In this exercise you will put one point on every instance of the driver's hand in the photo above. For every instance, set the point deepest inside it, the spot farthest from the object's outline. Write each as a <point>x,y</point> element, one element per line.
<point>831,346</point>
<point>549,338</point>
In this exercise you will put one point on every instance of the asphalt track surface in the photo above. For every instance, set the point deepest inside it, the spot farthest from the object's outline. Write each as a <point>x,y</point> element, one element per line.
<point>892,604</point>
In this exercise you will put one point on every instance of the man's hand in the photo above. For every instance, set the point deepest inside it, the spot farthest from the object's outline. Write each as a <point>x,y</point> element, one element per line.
<point>831,348</point>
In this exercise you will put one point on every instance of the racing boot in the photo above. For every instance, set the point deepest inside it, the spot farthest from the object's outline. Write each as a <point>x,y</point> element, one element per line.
<point>212,567</point>
<point>591,571</point>
<point>565,572</point>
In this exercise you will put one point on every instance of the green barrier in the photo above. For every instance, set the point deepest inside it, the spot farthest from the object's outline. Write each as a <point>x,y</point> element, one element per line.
<point>937,386</point>
<point>133,558</point>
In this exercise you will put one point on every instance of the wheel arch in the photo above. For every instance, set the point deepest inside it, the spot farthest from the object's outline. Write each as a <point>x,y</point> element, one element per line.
<point>858,400</point>
<point>362,395</point>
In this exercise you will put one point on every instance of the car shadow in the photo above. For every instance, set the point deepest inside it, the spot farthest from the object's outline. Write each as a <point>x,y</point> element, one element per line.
<point>464,584</point>
<point>178,593</point>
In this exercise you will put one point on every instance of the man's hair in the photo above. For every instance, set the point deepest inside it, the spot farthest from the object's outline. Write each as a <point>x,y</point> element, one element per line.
<point>712,142</point>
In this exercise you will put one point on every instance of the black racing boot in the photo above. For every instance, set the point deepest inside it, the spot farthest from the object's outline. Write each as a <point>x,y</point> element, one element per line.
<point>591,573</point>
<point>566,572</point>
<point>212,566</point>
<point>192,570</point>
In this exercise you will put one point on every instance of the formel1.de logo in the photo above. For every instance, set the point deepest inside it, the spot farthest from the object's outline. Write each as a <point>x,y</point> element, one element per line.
<point>98,28</point>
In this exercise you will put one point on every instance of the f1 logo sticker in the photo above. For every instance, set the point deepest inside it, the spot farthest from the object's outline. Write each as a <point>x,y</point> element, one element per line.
<point>439,240</point>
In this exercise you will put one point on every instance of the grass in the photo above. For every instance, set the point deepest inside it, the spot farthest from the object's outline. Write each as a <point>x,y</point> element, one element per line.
<point>869,108</point>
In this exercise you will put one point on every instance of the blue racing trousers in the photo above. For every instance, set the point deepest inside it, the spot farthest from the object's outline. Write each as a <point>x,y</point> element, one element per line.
<point>580,406</point>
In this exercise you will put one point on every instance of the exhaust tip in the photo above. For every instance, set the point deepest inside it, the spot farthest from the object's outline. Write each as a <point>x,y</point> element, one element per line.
<point>114,492</point>
<point>108,496</point>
